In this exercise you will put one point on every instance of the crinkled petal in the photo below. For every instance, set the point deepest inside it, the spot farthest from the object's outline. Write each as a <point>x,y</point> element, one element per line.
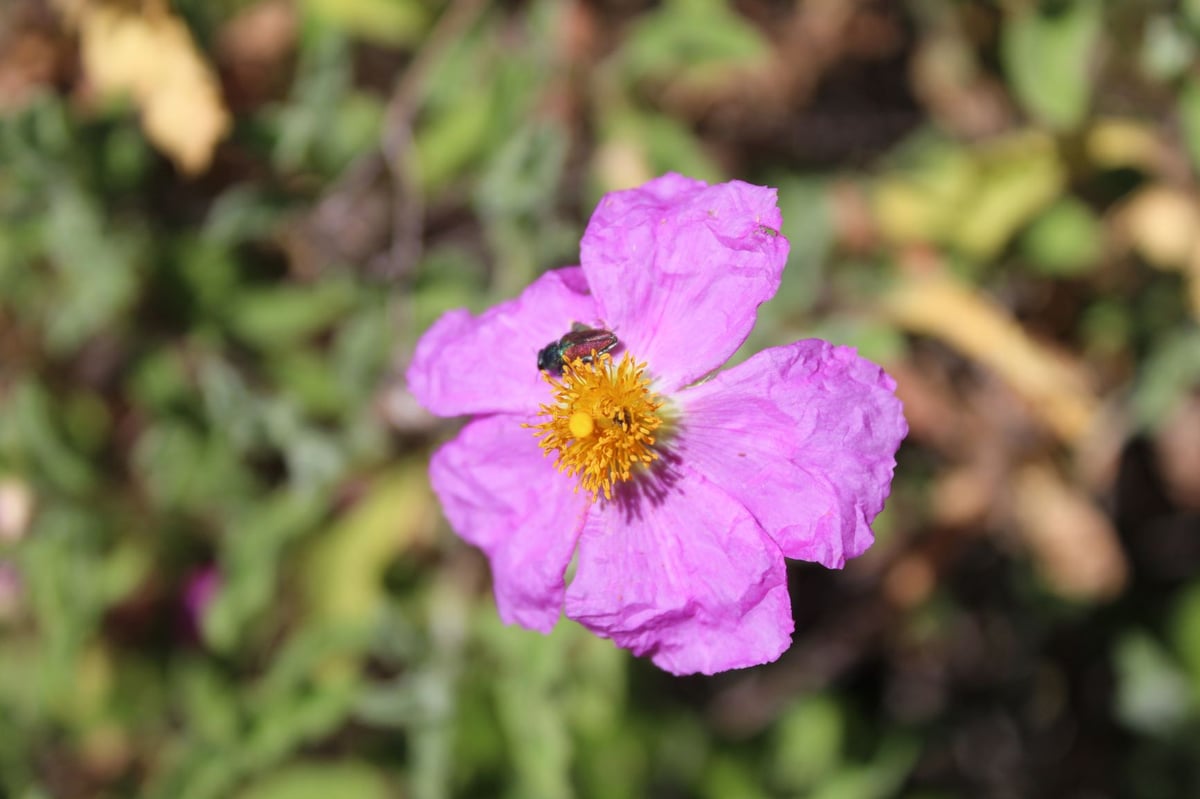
<point>488,364</point>
<point>679,268</point>
<point>501,494</point>
<point>805,436</point>
<point>686,576</point>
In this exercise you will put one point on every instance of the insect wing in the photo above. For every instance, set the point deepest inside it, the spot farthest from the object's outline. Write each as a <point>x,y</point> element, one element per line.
<point>586,344</point>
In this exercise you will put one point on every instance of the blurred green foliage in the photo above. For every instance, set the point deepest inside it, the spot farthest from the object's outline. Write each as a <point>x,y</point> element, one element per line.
<point>222,571</point>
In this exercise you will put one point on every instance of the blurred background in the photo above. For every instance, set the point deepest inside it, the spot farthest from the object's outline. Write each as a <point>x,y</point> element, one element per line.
<point>226,222</point>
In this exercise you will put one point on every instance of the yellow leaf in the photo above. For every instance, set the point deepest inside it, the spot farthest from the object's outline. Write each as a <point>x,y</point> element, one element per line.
<point>941,306</point>
<point>971,200</point>
<point>1161,224</point>
<point>1114,143</point>
<point>151,57</point>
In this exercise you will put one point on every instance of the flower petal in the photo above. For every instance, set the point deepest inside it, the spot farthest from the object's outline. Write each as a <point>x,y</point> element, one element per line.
<point>501,494</point>
<point>686,576</point>
<point>488,364</point>
<point>805,436</point>
<point>679,269</point>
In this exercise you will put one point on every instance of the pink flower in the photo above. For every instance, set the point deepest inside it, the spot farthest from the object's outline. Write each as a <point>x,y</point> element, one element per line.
<point>199,590</point>
<point>679,492</point>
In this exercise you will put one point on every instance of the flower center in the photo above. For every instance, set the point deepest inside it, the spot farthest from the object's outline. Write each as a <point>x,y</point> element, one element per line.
<point>601,423</point>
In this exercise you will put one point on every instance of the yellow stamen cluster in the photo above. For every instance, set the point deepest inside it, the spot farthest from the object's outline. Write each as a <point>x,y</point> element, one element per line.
<point>601,423</point>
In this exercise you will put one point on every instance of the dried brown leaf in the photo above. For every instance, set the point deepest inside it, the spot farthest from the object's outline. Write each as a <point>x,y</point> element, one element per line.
<point>1073,543</point>
<point>1177,447</point>
<point>962,497</point>
<point>30,60</point>
<point>254,47</point>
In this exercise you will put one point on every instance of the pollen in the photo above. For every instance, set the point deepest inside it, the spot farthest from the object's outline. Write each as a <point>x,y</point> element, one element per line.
<point>601,423</point>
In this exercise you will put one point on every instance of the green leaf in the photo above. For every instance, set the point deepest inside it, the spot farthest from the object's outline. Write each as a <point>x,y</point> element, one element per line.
<point>1172,369</point>
<point>393,22</point>
<point>1167,50</point>
<point>344,780</point>
<point>307,377</point>
<point>808,226</point>
<point>30,432</point>
<point>808,746</point>
<point>532,674</point>
<point>278,317</point>
<point>1107,325</point>
<point>1185,634</point>
<point>665,143</point>
<point>242,213</point>
<point>63,546</point>
<point>1064,240</point>
<point>361,351</point>
<point>690,37</point>
<point>920,198</point>
<point>1152,694</point>
<point>180,467</point>
<point>517,198</point>
<point>878,779</point>
<point>874,339</point>
<point>159,381</point>
<point>522,176</point>
<point>95,264</point>
<point>455,136</point>
<point>315,457</point>
<point>1048,57</point>
<point>729,776</point>
<point>251,559</point>
<point>449,277</point>
<point>1018,177</point>
<point>1189,114</point>
<point>303,666</point>
<point>973,200</point>
<point>343,571</point>
<point>326,122</point>
<point>209,702</point>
